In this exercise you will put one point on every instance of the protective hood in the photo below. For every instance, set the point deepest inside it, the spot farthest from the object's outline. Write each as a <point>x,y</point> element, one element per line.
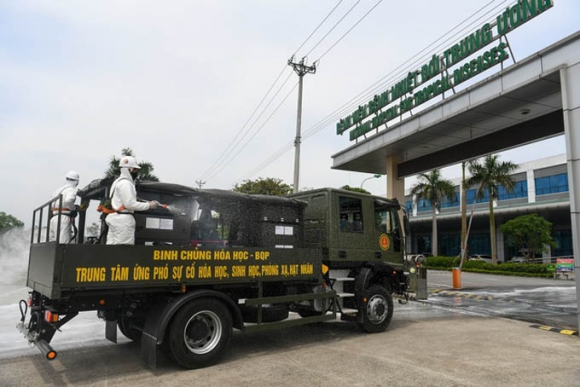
<point>72,183</point>
<point>126,174</point>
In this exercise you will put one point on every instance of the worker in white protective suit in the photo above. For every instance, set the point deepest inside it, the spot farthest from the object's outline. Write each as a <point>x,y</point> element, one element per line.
<point>67,211</point>
<point>124,202</point>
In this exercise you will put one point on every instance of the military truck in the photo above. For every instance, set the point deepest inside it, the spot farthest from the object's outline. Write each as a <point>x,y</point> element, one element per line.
<point>214,260</point>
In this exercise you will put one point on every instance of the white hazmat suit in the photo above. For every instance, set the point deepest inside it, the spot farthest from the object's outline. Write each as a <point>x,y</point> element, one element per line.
<point>124,201</point>
<point>69,195</point>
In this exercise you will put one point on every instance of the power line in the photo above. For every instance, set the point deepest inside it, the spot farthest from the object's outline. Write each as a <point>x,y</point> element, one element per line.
<point>235,140</point>
<point>351,28</point>
<point>364,95</point>
<point>229,158</point>
<point>232,145</point>
<point>333,27</point>
<point>394,75</point>
<point>316,29</point>
<point>256,132</point>
<point>298,137</point>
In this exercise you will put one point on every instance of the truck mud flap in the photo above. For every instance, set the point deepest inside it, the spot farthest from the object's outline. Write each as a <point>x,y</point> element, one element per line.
<point>111,331</point>
<point>149,339</point>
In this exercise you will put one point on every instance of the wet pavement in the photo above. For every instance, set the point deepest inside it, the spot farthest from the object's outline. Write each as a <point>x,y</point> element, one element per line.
<point>451,340</point>
<point>425,345</point>
<point>548,302</point>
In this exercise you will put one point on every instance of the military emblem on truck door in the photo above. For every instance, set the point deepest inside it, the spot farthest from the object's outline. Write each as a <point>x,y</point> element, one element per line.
<point>384,242</point>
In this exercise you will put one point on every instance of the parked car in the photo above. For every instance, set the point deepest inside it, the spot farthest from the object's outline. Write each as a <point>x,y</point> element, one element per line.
<point>480,257</point>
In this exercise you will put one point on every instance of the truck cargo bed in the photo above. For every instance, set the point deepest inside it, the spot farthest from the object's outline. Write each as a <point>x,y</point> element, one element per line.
<point>56,271</point>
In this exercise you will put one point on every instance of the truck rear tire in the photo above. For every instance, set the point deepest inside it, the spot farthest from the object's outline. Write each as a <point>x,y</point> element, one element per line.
<point>199,333</point>
<point>377,310</point>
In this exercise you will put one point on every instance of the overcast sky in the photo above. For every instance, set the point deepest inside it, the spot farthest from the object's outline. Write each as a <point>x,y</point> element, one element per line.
<point>177,81</point>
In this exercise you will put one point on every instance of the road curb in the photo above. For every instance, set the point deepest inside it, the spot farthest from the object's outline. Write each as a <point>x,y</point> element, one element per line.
<point>568,332</point>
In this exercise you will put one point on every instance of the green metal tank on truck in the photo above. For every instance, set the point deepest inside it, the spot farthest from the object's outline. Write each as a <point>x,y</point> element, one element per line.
<point>217,260</point>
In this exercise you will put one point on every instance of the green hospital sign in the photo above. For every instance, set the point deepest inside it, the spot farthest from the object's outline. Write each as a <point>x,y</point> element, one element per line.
<point>433,78</point>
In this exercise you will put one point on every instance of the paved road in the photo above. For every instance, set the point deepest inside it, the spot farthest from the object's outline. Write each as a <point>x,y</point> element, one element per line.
<point>427,344</point>
<point>542,301</point>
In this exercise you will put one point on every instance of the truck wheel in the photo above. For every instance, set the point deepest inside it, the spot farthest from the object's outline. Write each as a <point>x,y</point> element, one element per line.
<point>377,310</point>
<point>199,333</point>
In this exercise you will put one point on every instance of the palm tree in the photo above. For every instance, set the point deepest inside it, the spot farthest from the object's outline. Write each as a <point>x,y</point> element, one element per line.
<point>433,188</point>
<point>489,174</point>
<point>145,173</point>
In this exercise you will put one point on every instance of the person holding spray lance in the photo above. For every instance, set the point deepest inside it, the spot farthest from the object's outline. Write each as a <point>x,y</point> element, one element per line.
<point>124,203</point>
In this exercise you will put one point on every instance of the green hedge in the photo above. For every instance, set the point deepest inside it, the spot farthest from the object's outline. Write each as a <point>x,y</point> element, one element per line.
<point>508,268</point>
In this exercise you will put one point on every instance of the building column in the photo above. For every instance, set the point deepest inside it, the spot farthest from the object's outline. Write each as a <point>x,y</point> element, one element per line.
<point>395,186</point>
<point>500,243</point>
<point>531,185</point>
<point>570,79</point>
<point>396,190</point>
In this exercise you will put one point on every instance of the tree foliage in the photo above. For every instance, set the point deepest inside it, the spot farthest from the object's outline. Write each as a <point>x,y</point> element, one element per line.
<point>264,186</point>
<point>530,233</point>
<point>489,174</point>
<point>8,222</point>
<point>145,173</point>
<point>355,189</point>
<point>433,188</point>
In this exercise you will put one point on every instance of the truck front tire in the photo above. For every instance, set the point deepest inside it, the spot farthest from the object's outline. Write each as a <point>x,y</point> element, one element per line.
<point>199,333</point>
<point>377,309</point>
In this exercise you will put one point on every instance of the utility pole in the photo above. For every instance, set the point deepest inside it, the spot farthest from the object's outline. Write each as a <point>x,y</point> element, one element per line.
<point>301,69</point>
<point>200,183</point>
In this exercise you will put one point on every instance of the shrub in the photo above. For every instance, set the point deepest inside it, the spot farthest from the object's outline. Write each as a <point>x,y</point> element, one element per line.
<point>509,268</point>
<point>442,262</point>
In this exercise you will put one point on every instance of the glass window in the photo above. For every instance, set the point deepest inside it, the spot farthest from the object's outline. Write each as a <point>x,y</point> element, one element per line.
<point>449,245</point>
<point>409,206</point>
<point>470,196</point>
<point>384,218</point>
<point>520,191</point>
<point>423,205</point>
<point>479,244</point>
<point>424,244</point>
<point>552,184</point>
<point>563,240</point>
<point>350,214</point>
<point>451,202</point>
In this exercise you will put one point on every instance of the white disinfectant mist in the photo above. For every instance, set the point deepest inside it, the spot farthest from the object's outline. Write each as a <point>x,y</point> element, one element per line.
<point>14,248</point>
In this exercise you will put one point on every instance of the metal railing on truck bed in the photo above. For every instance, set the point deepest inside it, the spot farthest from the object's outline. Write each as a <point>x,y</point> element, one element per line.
<point>41,221</point>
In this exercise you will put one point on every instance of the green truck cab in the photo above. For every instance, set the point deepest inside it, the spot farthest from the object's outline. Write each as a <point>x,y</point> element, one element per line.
<point>214,260</point>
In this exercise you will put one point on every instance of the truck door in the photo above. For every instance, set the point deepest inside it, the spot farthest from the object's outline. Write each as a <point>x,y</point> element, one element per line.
<point>388,230</point>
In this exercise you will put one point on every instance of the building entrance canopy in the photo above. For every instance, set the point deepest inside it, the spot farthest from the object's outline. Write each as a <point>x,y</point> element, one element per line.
<point>516,106</point>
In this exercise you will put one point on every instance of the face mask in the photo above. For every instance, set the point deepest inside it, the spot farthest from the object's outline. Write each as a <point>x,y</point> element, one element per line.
<point>134,174</point>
